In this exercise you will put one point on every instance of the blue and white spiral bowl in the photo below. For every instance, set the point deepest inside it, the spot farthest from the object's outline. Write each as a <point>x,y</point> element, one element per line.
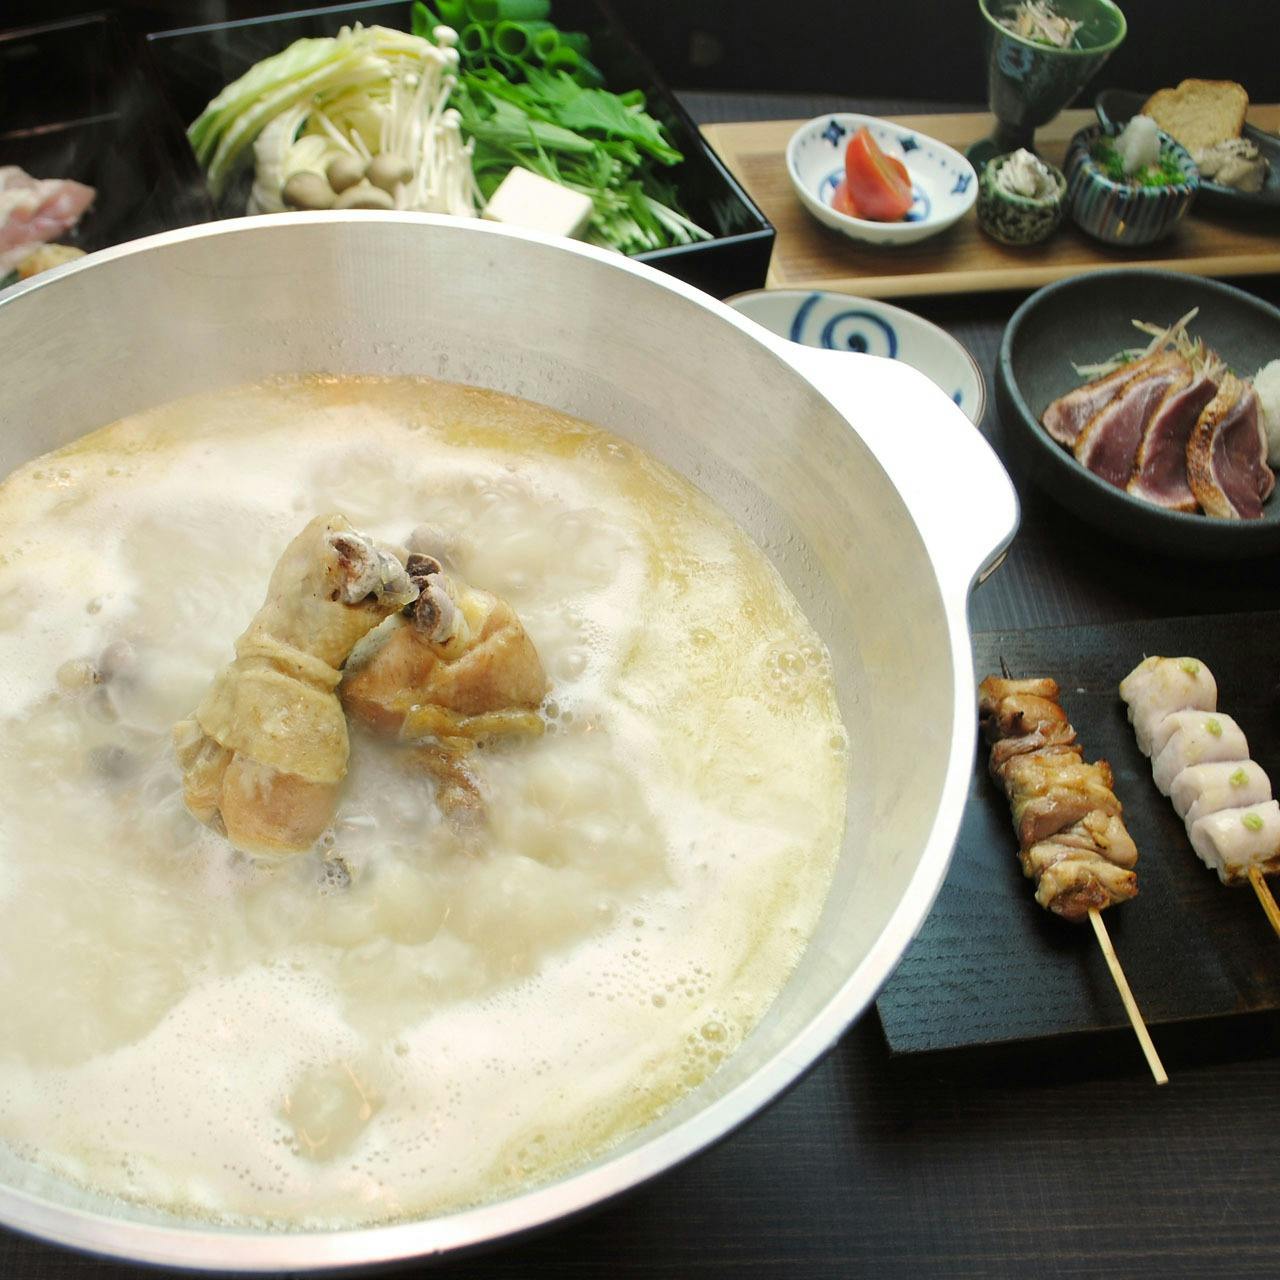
<point>1122,213</point>
<point>943,182</point>
<point>841,322</point>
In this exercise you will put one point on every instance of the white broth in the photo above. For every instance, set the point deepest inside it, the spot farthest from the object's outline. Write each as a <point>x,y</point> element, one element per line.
<point>411,1018</point>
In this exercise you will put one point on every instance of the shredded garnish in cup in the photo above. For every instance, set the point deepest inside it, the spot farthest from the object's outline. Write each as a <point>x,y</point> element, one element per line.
<point>1038,20</point>
<point>1025,174</point>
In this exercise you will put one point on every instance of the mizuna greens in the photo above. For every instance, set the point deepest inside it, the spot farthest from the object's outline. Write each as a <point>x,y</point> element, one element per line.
<point>553,120</point>
<point>585,139</point>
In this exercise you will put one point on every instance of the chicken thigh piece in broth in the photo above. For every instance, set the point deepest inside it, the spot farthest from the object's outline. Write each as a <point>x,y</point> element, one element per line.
<point>458,669</point>
<point>266,750</point>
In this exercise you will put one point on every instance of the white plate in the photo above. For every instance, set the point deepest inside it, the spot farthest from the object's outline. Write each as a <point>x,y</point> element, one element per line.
<point>943,182</point>
<point>841,322</point>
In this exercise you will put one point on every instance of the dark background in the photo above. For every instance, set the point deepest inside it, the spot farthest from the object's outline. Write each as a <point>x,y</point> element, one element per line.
<point>927,49</point>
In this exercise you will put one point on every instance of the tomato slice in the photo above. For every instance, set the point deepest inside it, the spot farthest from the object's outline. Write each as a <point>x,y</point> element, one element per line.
<point>878,185</point>
<point>842,201</point>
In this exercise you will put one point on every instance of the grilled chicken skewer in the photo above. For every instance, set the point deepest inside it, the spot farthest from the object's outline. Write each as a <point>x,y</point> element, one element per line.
<point>1071,838</point>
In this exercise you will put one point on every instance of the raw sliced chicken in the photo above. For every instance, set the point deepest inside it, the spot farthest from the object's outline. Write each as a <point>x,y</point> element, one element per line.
<point>1160,469</point>
<point>1108,445</point>
<point>35,211</point>
<point>1227,454</point>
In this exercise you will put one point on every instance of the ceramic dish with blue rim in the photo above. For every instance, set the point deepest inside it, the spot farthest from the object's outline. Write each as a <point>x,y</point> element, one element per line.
<point>841,322</point>
<point>1087,319</point>
<point>1118,106</point>
<point>943,182</point>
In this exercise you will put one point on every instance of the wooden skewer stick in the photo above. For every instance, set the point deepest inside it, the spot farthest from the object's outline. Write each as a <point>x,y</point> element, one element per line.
<point>1126,996</point>
<point>1263,890</point>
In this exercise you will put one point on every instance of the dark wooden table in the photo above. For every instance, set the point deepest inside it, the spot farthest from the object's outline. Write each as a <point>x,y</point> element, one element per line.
<point>1031,1161</point>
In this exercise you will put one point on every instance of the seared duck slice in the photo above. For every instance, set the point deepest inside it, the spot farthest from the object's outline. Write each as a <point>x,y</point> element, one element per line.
<point>1068,415</point>
<point>1108,445</point>
<point>1160,471</point>
<point>1227,454</point>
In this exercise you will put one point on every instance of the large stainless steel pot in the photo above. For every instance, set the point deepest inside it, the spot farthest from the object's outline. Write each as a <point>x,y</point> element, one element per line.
<point>875,498</point>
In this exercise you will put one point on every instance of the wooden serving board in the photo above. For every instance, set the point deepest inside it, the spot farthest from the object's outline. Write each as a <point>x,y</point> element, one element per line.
<point>992,966</point>
<point>808,255</point>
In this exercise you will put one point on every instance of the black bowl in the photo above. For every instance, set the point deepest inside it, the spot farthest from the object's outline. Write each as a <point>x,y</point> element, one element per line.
<point>1117,106</point>
<point>1087,319</point>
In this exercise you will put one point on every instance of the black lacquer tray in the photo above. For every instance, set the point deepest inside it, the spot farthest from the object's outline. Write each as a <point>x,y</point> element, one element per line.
<point>991,966</point>
<point>193,64</point>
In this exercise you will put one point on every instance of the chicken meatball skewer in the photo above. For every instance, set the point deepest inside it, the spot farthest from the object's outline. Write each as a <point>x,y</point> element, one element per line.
<point>1200,760</point>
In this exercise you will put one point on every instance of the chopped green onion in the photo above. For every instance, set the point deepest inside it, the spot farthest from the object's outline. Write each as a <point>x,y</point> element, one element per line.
<point>1214,727</point>
<point>491,11</point>
<point>1239,778</point>
<point>516,39</point>
<point>473,40</point>
<point>1252,821</point>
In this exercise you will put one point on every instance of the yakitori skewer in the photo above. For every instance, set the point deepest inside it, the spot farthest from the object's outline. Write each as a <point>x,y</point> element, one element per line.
<point>1071,837</point>
<point>1200,760</point>
<point>1263,890</point>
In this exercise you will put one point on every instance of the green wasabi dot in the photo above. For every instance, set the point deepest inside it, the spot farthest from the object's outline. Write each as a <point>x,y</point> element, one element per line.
<point>1252,821</point>
<point>1214,727</point>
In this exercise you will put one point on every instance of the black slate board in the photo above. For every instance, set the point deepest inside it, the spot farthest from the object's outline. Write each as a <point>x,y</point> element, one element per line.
<point>991,966</point>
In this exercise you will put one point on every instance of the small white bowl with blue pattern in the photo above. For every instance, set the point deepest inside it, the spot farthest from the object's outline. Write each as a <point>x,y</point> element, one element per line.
<point>943,182</point>
<point>841,322</point>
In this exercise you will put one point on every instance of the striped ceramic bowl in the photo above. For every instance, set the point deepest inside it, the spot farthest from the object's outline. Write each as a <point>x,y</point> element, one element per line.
<point>1123,213</point>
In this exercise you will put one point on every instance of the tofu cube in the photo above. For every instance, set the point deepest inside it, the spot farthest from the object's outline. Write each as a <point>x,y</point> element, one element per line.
<point>523,199</point>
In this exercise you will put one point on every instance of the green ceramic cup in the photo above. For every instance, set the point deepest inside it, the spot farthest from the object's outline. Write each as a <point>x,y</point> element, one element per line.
<point>1029,83</point>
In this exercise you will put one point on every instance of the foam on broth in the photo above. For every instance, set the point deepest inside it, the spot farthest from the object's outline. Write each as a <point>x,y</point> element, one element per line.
<point>458,1019</point>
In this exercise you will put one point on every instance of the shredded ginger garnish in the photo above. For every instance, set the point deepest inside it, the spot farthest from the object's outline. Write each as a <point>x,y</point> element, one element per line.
<point>1202,360</point>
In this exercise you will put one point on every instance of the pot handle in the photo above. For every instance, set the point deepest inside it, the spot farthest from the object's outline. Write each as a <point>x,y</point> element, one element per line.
<point>955,487</point>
